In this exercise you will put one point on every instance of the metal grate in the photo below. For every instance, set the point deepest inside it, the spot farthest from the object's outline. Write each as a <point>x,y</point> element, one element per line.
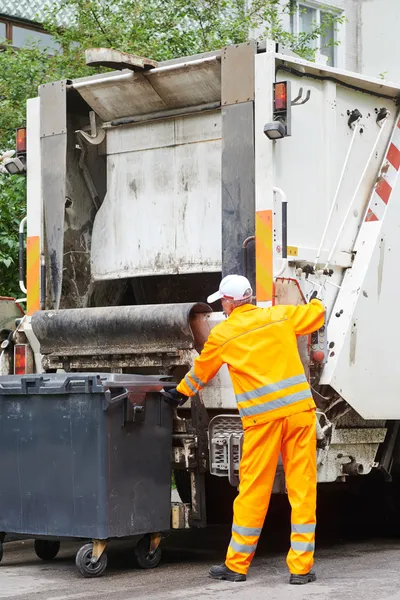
<point>225,443</point>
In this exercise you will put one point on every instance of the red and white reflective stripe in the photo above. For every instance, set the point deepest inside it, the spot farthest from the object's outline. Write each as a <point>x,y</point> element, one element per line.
<point>387,179</point>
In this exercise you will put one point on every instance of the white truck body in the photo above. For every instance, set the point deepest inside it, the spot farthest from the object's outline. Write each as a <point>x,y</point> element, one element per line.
<point>187,174</point>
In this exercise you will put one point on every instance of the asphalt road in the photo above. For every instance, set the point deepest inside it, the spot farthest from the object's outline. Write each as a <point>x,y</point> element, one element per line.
<point>350,566</point>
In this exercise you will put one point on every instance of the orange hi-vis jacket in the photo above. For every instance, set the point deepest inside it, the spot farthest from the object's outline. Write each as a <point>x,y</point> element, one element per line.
<point>259,345</point>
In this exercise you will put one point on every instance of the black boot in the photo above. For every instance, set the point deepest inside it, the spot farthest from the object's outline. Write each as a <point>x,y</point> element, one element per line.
<point>222,572</point>
<point>302,579</point>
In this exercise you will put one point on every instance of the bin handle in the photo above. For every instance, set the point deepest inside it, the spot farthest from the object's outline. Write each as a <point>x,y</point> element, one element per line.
<point>92,384</point>
<point>27,386</point>
<point>112,400</point>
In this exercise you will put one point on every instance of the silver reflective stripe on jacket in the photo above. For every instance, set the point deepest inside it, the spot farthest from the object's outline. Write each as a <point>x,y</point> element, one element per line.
<point>271,388</point>
<point>258,409</point>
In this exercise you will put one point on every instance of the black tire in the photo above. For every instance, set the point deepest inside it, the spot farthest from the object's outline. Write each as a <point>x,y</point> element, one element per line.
<point>46,549</point>
<point>84,564</point>
<point>182,482</point>
<point>142,554</point>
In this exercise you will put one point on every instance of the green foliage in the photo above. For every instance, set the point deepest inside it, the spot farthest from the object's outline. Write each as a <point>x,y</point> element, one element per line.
<point>12,210</point>
<point>158,29</point>
<point>164,29</point>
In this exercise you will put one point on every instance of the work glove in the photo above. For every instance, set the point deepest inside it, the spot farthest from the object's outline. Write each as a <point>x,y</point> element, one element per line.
<point>174,398</point>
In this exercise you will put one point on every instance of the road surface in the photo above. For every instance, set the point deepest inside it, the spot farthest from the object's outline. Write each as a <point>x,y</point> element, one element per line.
<point>355,570</point>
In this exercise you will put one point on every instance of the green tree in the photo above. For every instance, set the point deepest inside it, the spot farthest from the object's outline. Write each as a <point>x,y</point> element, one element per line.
<point>158,29</point>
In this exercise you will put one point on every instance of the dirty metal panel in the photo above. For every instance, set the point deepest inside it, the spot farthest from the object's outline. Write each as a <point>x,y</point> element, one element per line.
<point>53,123</point>
<point>238,64</point>
<point>159,134</point>
<point>190,85</point>
<point>173,86</point>
<point>363,367</point>
<point>114,99</point>
<point>375,435</point>
<point>162,212</point>
<point>79,211</point>
<point>238,190</point>
<point>363,454</point>
<point>53,102</point>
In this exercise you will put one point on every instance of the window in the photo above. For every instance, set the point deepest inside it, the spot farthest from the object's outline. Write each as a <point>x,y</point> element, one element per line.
<point>21,36</point>
<point>307,16</point>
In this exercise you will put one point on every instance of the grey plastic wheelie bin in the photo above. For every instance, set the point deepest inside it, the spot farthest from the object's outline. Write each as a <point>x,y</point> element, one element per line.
<point>85,456</point>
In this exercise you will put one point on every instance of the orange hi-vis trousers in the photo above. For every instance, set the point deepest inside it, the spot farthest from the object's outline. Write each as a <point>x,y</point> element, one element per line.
<point>295,438</point>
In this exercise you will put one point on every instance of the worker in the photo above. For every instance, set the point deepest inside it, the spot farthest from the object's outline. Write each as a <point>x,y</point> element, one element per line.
<point>259,346</point>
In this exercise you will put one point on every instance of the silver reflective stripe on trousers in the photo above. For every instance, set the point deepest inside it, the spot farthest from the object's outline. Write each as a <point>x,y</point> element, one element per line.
<point>272,387</point>
<point>244,548</point>
<point>246,530</point>
<point>303,546</point>
<point>258,409</point>
<point>303,528</point>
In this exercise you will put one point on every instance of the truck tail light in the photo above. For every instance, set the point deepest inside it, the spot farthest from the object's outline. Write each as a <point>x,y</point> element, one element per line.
<point>20,359</point>
<point>281,125</point>
<point>21,140</point>
<point>280,96</point>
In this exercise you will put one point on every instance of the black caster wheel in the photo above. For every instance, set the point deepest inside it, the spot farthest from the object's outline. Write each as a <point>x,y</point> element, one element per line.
<point>47,549</point>
<point>144,559</point>
<point>84,564</point>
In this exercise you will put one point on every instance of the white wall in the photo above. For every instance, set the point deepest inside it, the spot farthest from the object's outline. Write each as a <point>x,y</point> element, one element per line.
<point>349,48</point>
<point>380,39</point>
<point>350,27</point>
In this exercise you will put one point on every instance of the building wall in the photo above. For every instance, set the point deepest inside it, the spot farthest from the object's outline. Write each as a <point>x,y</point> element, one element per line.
<point>348,32</point>
<point>351,27</point>
<point>380,39</point>
<point>371,40</point>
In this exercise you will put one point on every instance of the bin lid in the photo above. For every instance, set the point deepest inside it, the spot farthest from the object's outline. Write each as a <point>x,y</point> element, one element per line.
<point>66,383</point>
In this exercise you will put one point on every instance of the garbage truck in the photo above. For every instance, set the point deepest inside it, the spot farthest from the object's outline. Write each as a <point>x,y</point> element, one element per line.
<point>149,182</point>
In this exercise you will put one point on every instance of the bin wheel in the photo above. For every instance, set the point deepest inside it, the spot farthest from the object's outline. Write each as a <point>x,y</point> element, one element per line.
<point>47,549</point>
<point>84,564</point>
<point>144,559</point>
<point>1,551</point>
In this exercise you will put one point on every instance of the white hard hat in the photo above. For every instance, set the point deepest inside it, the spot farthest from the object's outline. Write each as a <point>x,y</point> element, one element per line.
<point>232,287</point>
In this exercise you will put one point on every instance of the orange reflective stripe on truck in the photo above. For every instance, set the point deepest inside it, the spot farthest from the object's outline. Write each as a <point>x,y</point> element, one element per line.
<point>264,263</point>
<point>33,273</point>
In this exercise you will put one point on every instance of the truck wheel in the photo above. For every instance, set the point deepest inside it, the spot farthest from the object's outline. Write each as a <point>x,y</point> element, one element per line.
<point>84,564</point>
<point>142,554</point>
<point>182,481</point>
<point>46,549</point>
